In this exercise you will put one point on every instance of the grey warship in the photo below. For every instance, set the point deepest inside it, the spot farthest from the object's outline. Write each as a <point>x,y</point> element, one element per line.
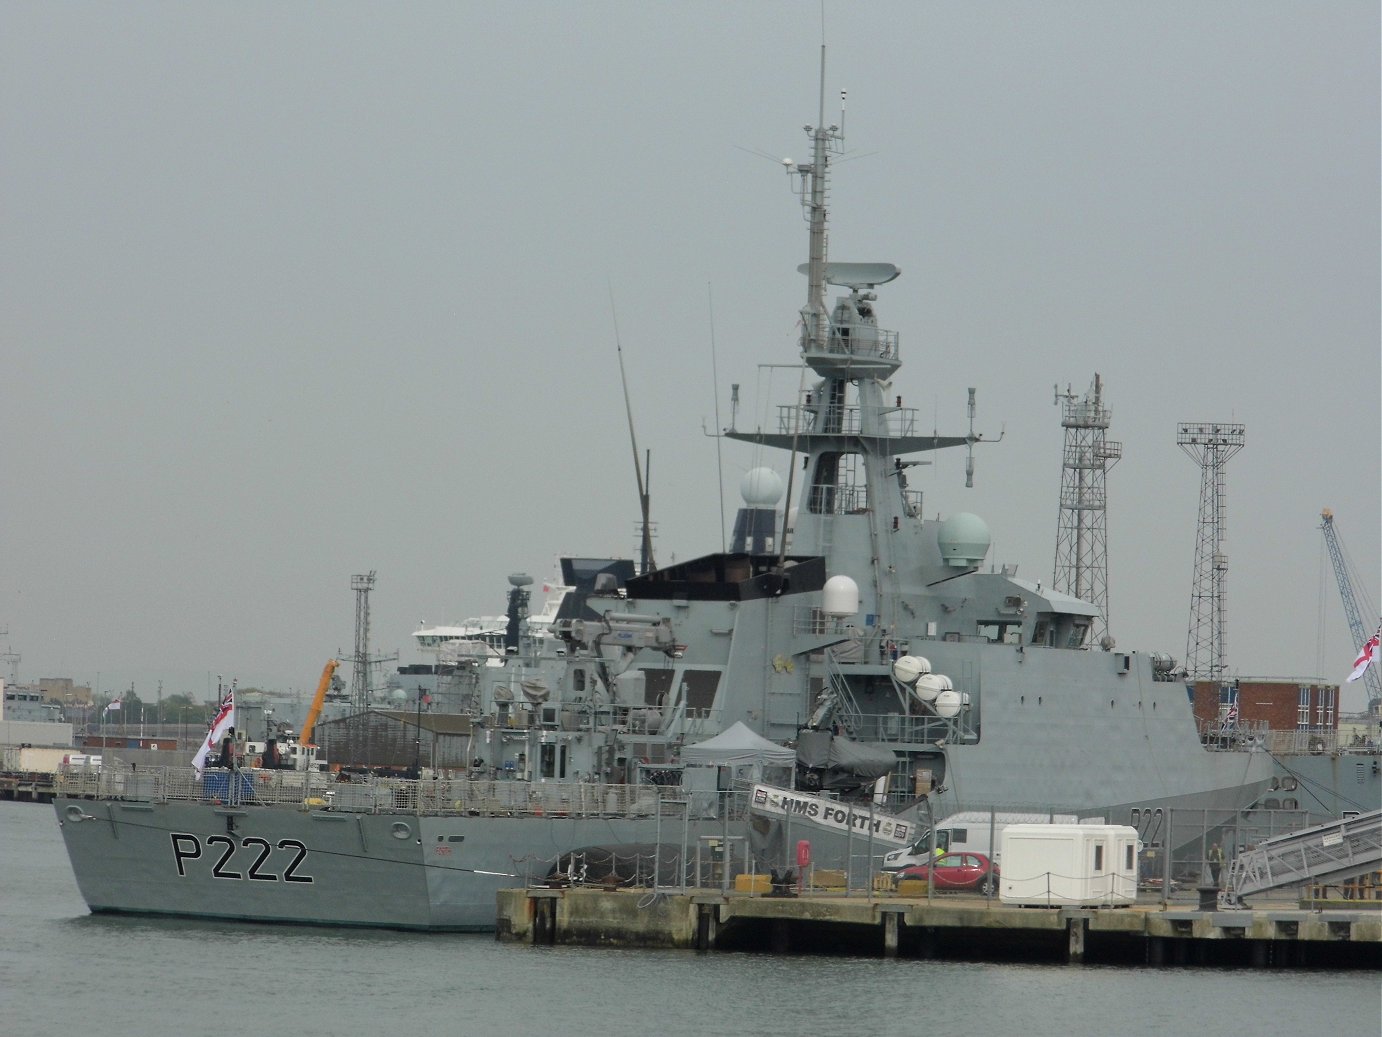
<point>839,611</point>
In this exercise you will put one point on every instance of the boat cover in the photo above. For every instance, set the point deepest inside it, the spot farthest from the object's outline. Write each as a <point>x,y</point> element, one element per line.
<point>820,750</point>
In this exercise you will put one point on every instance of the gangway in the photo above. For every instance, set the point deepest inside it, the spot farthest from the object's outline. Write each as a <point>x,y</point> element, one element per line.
<point>1322,855</point>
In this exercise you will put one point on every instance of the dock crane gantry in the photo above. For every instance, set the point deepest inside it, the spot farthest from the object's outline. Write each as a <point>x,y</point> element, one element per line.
<point>1343,572</point>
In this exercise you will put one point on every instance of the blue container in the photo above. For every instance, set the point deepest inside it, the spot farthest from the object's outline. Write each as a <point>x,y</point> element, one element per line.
<point>216,785</point>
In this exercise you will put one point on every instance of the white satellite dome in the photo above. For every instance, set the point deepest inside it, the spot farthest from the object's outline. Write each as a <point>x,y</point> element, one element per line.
<point>761,488</point>
<point>910,667</point>
<point>964,540</point>
<point>840,597</point>
<point>948,704</point>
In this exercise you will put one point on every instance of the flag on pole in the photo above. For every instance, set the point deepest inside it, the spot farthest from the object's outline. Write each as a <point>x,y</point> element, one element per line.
<point>1360,665</point>
<point>220,725</point>
<point>1231,717</point>
<point>115,704</point>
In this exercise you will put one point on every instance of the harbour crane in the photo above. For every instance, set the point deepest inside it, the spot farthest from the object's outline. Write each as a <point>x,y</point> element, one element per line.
<point>1344,573</point>
<point>323,685</point>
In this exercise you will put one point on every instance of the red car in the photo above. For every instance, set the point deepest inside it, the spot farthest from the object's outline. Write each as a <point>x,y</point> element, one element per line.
<point>971,871</point>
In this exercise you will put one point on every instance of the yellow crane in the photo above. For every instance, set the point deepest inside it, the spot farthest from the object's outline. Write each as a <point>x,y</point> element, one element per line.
<point>323,686</point>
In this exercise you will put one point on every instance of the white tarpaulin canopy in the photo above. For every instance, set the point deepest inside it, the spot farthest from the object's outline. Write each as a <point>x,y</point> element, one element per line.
<point>737,746</point>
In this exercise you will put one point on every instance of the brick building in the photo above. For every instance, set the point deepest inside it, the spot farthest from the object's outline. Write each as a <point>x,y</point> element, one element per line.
<point>1282,704</point>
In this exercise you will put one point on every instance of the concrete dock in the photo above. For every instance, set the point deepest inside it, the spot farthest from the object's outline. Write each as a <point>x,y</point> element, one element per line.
<point>949,926</point>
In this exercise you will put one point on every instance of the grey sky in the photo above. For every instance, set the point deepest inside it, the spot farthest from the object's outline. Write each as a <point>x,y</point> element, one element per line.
<point>295,291</point>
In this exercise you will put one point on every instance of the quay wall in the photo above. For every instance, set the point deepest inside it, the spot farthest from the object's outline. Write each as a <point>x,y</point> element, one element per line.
<point>956,927</point>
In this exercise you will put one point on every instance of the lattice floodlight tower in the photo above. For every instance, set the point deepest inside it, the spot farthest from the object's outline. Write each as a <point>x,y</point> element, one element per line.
<point>361,584</point>
<point>1206,647</point>
<point>1082,529</point>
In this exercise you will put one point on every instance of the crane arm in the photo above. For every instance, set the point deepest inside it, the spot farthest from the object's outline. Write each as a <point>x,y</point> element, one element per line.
<point>315,711</point>
<point>1351,611</point>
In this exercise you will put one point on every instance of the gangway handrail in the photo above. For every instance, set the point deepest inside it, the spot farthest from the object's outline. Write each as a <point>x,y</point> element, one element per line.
<point>1331,852</point>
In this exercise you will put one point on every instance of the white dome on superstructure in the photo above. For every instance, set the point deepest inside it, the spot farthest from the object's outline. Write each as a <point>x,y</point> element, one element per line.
<point>761,488</point>
<point>964,540</point>
<point>840,597</point>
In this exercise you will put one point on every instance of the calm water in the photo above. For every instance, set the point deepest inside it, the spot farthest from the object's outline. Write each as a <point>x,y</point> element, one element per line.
<point>63,971</point>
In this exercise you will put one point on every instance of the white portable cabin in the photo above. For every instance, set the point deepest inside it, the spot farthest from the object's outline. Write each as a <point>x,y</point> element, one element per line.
<point>1069,865</point>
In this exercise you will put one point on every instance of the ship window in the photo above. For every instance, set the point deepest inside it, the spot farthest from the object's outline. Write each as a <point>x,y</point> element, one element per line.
<point>700,688</point>
<point>1041,632</point>
<point>578,680</point>
<point>548,761</point>
<point>1077,634</point>
<point>1098,858</point>
<point>1127,857</point>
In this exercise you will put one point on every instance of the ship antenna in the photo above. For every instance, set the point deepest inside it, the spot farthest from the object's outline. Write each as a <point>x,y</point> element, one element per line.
<point>646,544</point>
<point>969,444</point>
<point>715,380</point>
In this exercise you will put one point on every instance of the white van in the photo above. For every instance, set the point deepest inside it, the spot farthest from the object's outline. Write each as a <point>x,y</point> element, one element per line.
<point>969,831</point>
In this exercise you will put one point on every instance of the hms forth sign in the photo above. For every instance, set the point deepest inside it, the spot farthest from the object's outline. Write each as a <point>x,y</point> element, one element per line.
<point>830,814</point>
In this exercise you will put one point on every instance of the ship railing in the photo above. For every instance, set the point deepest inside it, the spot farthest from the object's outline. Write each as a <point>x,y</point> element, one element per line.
<point>370,794</point>
<point>843,704</point>
<point>897,729</point>
<point>865,342</point>
<point>1221,736</point>
<point>1309,742</point>
<point>809,419</point>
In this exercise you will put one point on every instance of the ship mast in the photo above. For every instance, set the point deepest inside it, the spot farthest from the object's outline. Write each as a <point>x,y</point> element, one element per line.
<point>813,195</point>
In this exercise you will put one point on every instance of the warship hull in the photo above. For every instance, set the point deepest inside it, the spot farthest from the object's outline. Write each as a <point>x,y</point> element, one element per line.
<point>298,864</point>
